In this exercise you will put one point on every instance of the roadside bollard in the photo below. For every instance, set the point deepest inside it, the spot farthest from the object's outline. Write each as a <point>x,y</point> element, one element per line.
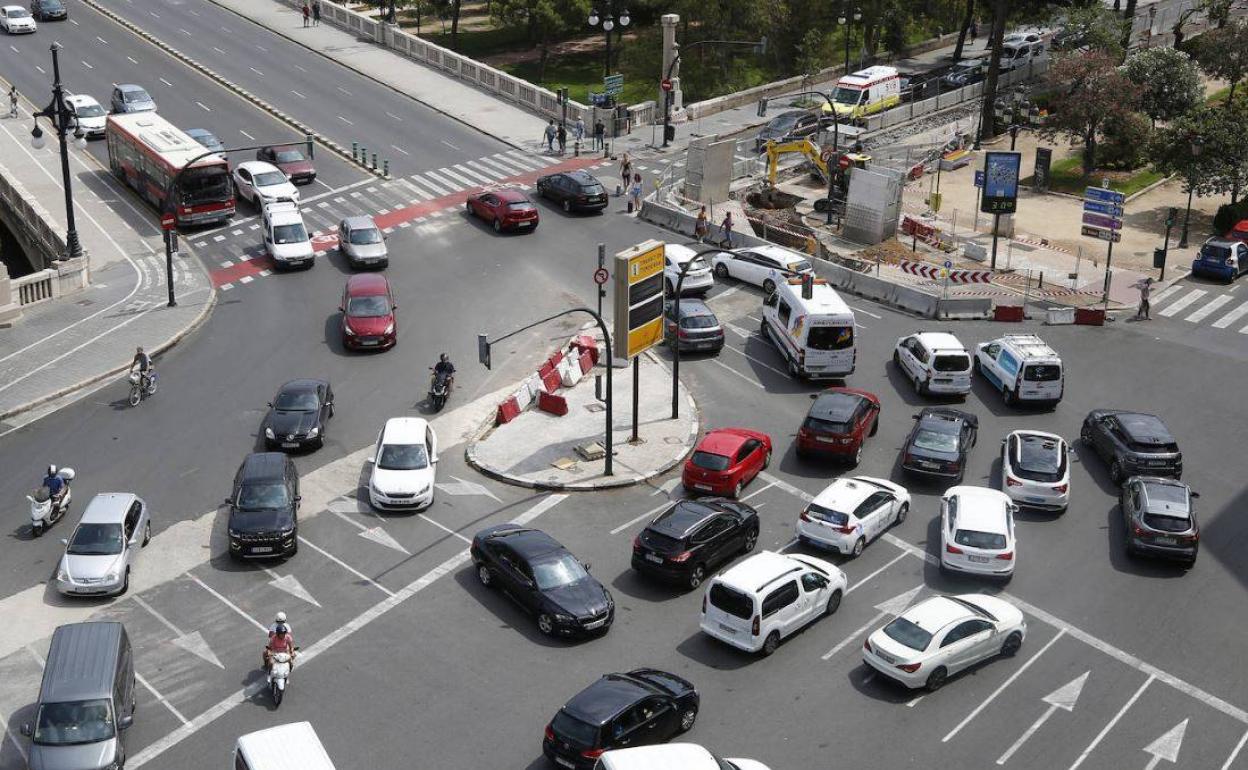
<point>363,156</point>
<point>576,148</point>
<point>374,161</point>
<point>355,151</point>
<point>385,168</point>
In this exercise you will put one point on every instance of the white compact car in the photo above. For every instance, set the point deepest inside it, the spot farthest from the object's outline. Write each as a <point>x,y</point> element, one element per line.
<point>1035,470</point>
<point>104,546</point>
<point>404,462</point>
<point>765,266</point>
<point>259,182</point>
<point>977,532</point>
<point>698,278</point>
<point>16,20</point>
<point>851,512</point>
<point>286,238</point>
<point>88,114</point>
<point>770,596</point>
<point>671,756</point>
<point>943,635</point>
<point>936,362</point>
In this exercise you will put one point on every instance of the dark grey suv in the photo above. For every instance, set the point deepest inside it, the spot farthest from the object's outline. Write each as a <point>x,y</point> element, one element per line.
<point>1158,518</point>
<point>264,520</point>
<point>1133,443</point>
<point>696,330</point>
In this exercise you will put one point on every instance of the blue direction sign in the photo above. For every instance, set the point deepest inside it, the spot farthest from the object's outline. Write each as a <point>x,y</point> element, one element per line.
<point>1108,209</point>
<point>1100,220</point>
<point>979,178</point>
<point>613,85</point>
<point>1104,195</point>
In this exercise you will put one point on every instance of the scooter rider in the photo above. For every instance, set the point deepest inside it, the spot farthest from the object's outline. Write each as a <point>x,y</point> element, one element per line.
<point>444,366</point>
<point>55,484</point>
<point>280,640</point>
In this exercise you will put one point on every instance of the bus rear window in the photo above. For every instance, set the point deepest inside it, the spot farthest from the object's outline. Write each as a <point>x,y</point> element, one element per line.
<point>830,337</point>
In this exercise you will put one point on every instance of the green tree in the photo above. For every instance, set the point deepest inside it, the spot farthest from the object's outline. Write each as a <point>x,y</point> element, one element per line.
<point>968,18</point>
<point>812,54</point>
<point>1096,28</point>
<point>1169,81</point>
<point>1223,53</point>
<point>1221,167</point>
<point>1087,89</point>
<point>547,21</point>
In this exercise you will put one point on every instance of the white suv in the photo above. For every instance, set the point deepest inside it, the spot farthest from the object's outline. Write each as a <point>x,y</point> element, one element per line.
<point>671,756</point>
<point>770,596</point>
<point>285,236</point>
<point>698,278</point>
<point>936,362</point>
<point>977,532</point>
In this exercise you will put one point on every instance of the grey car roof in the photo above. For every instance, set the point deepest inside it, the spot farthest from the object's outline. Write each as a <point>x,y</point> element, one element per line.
<point>107,508</point>
<point>82,661</point>
<point>694,307</point>
<point>362,222</point>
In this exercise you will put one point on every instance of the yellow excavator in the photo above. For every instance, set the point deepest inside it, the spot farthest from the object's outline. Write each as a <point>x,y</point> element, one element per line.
<point>812,152</point>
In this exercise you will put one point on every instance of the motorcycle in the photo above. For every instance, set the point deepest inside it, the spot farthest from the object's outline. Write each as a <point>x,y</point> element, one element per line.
<point>279,672</point>
<point>44,511</point>
<point>138,391</point>
<point>439,389</point>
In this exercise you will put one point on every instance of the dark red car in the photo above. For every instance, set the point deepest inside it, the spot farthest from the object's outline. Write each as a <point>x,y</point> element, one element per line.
<point>291,160</point>
<point>368,320</point>
<point>508,209</point>
<point>725,460</point>
<point>1239,232</point>
<point>838,423</point>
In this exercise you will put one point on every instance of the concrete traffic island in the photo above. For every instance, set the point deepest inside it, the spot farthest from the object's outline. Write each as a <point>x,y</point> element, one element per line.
<point>539,450</point>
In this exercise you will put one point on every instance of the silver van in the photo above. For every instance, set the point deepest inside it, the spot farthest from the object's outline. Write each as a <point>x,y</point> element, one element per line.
<point>86,700</point>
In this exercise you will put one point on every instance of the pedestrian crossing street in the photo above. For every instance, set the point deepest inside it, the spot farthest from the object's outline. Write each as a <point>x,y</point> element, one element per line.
<point>1207,306</point>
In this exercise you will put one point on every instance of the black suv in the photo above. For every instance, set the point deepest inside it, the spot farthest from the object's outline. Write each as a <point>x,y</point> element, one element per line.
<point>574,190</point>
<point>544,578</point>
<point>794,124</point>
<point>644,706</point>
<point>691,538</point>
<point>1159,518</point>
<point>1133,443</point>
<point>697,329</point>
<point>45,10</point>
<point>939,442</point>
<point>264,520</point>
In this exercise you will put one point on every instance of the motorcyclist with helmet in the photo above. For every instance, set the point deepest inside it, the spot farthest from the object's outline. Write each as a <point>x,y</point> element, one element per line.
<point>281,639</point>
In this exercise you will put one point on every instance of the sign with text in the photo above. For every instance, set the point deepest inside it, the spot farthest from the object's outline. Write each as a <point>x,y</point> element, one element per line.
<point>613,85</point>
<point>639,295</point>
<point>1104,195</point>
<point>1108,209</point>
<point>1040,177</point>
<point>1000,182</point>
<point>1100,220</point>
<point>1113,236</point>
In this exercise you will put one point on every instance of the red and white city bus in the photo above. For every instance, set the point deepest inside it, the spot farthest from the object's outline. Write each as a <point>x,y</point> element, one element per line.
<point>146,151</point>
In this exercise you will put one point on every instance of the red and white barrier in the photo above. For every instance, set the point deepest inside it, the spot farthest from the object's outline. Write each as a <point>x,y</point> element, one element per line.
<point>928,270</point>
<point>562,369</point>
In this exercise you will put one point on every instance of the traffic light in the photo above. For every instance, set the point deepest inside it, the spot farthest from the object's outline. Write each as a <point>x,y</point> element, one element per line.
<point>483,350</point>
<point>1172,216</point>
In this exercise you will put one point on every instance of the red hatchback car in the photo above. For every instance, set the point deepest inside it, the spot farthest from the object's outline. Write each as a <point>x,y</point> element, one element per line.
<point>368,320</point>
<point>508,209</point>
<point>1239,232</point>
<point>291,160</point>
<point>838,423</point>
<point>725,460</point>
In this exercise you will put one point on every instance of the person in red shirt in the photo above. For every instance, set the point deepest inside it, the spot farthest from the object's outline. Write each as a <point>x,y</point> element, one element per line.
<point>280,640</point>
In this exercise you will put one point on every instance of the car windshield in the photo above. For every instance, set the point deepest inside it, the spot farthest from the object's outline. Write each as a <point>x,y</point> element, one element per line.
<point>519,205</point>
<point>1042,372</point>
<point>830,337</point>
<point>138,95</point>
<point>828,515</point>
<point>403,457</point>
<point>96,540</point>
<point>269,178</point>
<point>782,123</point>
<point>207,184</point>
<point>297,401</point>
<point>908,633</point>
<point>710,461</point>
<point>936,442</point>
<point>1040,459</point>
<point>1172,494</point>
<point>566,726</point>
<point>1213,252</point>
<point>844,95</point>
<point>560,571</point>
<point>295,233</point>
<point>959,362</point>
<point>18,13</point>
<point>975,539</point>
<point>267,495</point>
<point>365,235</point>
<point>289,156</point>
<point>74,722</point>
<point>91,110</point>
<point>375,306</point>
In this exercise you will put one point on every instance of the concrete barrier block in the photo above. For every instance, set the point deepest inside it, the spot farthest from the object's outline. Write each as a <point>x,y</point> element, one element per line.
<point>587,362</point>
<point>975,251</point>
<point>1059,316</point>
<point>964,308</point>
<point>551,381</point>
<point>915,301</point>
<point>523,397</point>
<point>569,372</point>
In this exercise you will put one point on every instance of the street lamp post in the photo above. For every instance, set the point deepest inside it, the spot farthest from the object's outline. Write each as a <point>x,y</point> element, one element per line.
<point>1197,146</point>
<point>62,120</point>
<point>844,20</point>
<point>608,23</point>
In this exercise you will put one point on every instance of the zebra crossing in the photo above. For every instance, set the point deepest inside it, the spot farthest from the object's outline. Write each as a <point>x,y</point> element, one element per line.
<point>1184,302</point>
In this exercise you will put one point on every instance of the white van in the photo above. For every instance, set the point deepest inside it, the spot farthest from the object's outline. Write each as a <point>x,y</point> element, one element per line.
<point>936,362</point>
<point>812,327</point>
<point>866,92</point>
<point>1023,367</point>
<point>285,236</point>
<point>1020,53</point>
<point>286,747</point>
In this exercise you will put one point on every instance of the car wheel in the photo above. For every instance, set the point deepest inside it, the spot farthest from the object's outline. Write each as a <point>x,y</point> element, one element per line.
<point>147,533</point>
<point>918,386</point>
<point>567,207</point>
<point>125,584</point>
<point>794,372</point>
<point>975,368</point>
<point>936,679</point>
<point>546,624</point>
<point>1009,648</point>
<point>896,359</point>
<point>498,225</point>
<point>468,207</point>
<point>751,540</point>
<point>1115,472</point>
<point>687,719</point>
<point>697,576</point>
<point>857,456</point>
<point>736,491</point>
<point>721,271</point>
<point>767,459</point>
<point>859,544</point>
<point>485,576</point>
<point>834,603</point>
<point>875,426</point>
<point>902,512</point>
<point>769,286</point>
<point>1009,397</point>
<point>771,643</point>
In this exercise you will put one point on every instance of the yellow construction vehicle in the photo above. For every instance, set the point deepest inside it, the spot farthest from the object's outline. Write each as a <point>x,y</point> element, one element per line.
<point>812,152</point>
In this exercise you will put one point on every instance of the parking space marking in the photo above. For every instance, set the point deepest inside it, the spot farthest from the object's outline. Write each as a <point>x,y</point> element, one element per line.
<point>747,378</point>
<point>757,361</point>
<point>758,492</point>
<point>1235,752</point>
<point>865,312</point>
<point>1063,697</point>
<point>1019,672</point>
<point>867,579</point>
<point>193,642</point>
<point>346,566</point>
<point>263,628</point>
<point>912,703</point>
<point>444,528</point>
<point>138,677</point>
<point>645,515</point>
<point>887,608</point>
<point>1105,730</point>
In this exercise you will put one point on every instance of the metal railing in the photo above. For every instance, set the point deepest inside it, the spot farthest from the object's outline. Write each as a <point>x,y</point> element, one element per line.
<point>34,288</point>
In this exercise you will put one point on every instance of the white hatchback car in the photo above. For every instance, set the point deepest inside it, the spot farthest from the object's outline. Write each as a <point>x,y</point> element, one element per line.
<point>770,596</point>
<point>851,512</point>
<point>1035,470</point>
<point>977,532</point>
<point>103,547</point>
<point>671,756</point>
<point>698,278</point>
<point>765,266</point>
<point>88,114</point>
<point>16,20</point>
<point>259,182</point>
<point>936,362</point>
<point>403,463</point>
<point>943,635</point>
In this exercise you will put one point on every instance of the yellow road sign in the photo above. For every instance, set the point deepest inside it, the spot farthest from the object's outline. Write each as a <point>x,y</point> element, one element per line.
<point>639,297</point>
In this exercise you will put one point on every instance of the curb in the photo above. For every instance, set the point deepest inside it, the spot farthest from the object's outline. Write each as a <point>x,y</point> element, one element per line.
<point>238,91</point>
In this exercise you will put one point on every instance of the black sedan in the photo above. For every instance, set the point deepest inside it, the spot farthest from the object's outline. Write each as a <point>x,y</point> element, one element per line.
<point>693,537</point>
<point>297,415</point>
<point>574,190</point>
<point>644,706</point>
<point>544,578</point>
<point>1159,518</point>
<point>939,442</point>
<point>1132,443</point>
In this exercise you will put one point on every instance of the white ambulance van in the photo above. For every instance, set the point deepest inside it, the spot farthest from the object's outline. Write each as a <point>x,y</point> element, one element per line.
<point>866,92</point>
<point>812,327</point>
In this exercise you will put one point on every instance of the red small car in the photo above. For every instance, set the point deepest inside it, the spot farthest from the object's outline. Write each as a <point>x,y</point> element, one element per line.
<point>368,320</point>
<point>291,160</point>
<point>508,209</point>
<point>725,460</point>
<point>1239,232</point>
<point>838,423</point>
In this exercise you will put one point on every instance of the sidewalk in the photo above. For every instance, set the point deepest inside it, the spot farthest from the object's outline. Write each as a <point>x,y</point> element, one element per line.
<point>58,348</point>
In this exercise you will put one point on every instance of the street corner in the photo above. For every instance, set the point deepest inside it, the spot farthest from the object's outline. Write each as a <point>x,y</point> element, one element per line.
<point>556,438</point>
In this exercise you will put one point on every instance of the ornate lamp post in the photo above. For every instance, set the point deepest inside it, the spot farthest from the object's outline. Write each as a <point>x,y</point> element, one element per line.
<point>62,121</point>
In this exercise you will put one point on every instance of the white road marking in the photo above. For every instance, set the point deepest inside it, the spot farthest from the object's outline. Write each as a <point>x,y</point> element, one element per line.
<point>102,40</point>
<point>889,608</point>
<point>1231,317</point>
<point>499,161</point>
<point>912,703</point>
<point>466,183</point>
<point>400,149</point>
<point>84,63</point>
<point>301,69</point>
<point>244,133</point>
<point>473,174</point>
<point>344,120</point>
<point>75,22</point>
<point>1208,308</point>
<point>1182,302</point>
<point>758,492</point>
<point>218,50</point>
<point>448,144</point>
<point>184,32</point>
<point>1235,752</point>
<point>1063,697</point>
<point>1110,725</point>
<point>1017,673</point>
<point>346,566</point>
<point>444,528</point>
<point>443,182</point>
<point>164,701</point>
<point>491,173</point>
<point>636,519</point>
<point>258,72</point>
<point>866,312</point>
<point>757,361</point>
<point>375,534</point>
<point>747,378</point>
<point>438,191</point>
<point>204,107</point>
<point>242,613</point>
<point>193,642</point>
<point>262,49</point>
<point>345,91</point>
<point>291,585</point>
<point>1167,746</point>
<point>537,160</point>
<point>132,60</point>
<point>1167,293</point>
<point>166,82</point>
<point>296,93</point>
<point>396,117</point>
<point>416,190</point>
<point>866,579</point>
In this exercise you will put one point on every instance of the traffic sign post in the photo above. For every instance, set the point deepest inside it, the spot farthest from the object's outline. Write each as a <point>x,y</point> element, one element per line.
<point>666,84</point>
<point>601,275</point>
<point>168,221</point>
<point>613,85</point>
<point>1102,219</point>
<point>639,295</point>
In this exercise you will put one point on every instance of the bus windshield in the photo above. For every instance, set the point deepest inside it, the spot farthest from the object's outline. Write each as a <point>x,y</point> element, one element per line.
<point>204,185</point>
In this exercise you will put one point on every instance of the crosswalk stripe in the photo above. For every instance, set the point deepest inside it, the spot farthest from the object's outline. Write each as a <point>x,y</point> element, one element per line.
<point>1231,317</point>
<point>504,170</point>
<point>438,191</point>
<point>1167,293</point>
<point>444,182</point>
<point>513,166</point>
<point>1182,302</point>
<point>473,174</point>
<point>1208,308</point>
<point>448,173</point>
<point>538,161</point>
<point>492,173</point>
<point>370,205</point>
<point>519,159</point>
<point>416,190</point>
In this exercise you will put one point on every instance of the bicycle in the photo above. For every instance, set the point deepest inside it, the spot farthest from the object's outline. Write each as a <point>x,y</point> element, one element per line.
<point>142,386</point>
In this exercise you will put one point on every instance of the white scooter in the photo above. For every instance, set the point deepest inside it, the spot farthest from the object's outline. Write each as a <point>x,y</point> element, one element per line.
<point>279,671</point>
<point>43,511</point>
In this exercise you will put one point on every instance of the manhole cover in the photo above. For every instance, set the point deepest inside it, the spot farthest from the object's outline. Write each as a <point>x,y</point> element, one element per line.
<point>595,407</point>
<point>673,440</point>
<point>85,302</point>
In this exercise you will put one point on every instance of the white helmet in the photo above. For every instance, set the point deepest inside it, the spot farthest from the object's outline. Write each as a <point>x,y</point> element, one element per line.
<point>51,470</point>
<point>281,617</point>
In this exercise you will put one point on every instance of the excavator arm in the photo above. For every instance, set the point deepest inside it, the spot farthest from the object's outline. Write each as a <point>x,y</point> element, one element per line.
<point>804,146</point>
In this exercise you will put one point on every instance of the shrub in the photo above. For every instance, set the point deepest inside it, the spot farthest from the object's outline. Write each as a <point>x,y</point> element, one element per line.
<point>1126,139</point>
<point>1228,214</point>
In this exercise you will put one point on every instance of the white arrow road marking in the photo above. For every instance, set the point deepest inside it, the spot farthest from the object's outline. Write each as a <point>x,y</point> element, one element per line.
<point>737,330</point>
<point>193,642</point>
<point>462,487</point>
<point>1105,730</point>
<point>291,585</point>
<point>889,608</point>
<point>1167,746</point>
<point>1063,697</point>
<point>375,534</point>
<point>263,629</point>
<point>1005,684</point>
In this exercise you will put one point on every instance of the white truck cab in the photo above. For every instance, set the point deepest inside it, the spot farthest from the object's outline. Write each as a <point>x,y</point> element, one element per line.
<point>1023,367</point>
<point>285,747</point>
<point>812,327</point>
<point>285,236</point>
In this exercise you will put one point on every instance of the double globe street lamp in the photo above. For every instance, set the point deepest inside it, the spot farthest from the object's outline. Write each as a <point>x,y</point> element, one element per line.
<point>608,22</point>
<point>844,21</point>
<point>62,120</point>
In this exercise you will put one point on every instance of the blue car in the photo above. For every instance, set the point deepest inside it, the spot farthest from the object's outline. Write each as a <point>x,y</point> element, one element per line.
<point>1221,258</point>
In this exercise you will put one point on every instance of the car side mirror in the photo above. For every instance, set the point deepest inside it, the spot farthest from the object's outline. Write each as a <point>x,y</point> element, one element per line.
<point>298,498</point>
<point>370,460</point>
<point>64,541</point>
<point>25,729</point>
<point>434,460</point>
<point>1193,493</point>
<point>228,501</point>
<point>341,309</point>
<point>270,404</point>
<point>914,416</point>
<point>587,566</point>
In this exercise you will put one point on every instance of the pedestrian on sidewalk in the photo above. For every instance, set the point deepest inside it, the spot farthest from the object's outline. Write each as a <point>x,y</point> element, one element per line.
<point>13,102</point>
<point>316,13</point>
<point>600,132</point>
<point>307,12</point>
<point>626,171</point>
<point>550,134</point>
<point>562,135</point>
<point>634,194</point>
<point>974,31</point>
<point>1146,289</point>
<point>725,231</point>
<point>702,226</point>
<point>578,131</point>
